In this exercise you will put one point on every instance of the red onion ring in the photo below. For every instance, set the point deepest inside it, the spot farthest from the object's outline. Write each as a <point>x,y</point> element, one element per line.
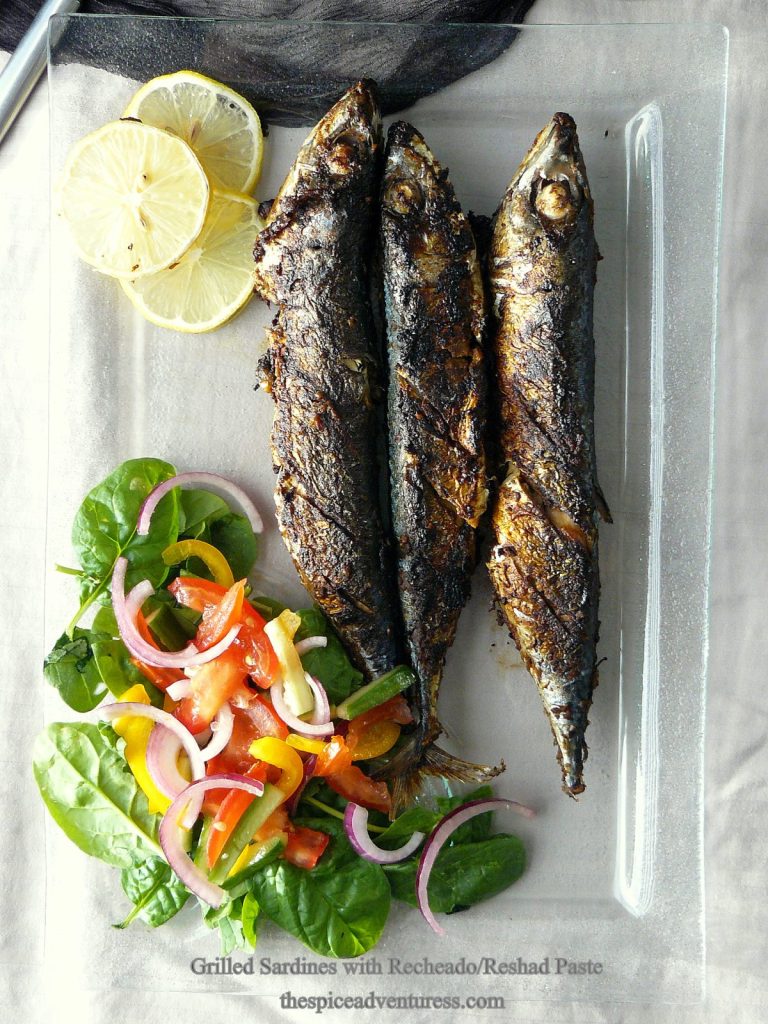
<point>293,721</point>
<point>221,726</point>
<point>126,609</point>
<point>309,767</point>
<point>310,643</point>
<point>170,834</point>
<point>207,481</point>
<point>180,731</point>
<point>322,710</point>
<point>356,827</point>
<point>440,835</point>
<point>162,751</point>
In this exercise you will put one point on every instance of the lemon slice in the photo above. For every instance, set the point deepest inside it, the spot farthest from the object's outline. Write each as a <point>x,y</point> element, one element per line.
<point>221,127</point>
<point>135,198</point>
<point>213,280</point>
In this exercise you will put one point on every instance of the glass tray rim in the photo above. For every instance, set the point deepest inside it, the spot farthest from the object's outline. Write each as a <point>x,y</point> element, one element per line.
<point>711,349</point>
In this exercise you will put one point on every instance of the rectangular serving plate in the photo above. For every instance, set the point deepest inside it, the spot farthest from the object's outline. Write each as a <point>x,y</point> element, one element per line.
<point>616,877</point>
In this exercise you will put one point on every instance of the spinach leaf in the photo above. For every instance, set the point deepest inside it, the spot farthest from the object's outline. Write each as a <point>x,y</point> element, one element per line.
<point>463,875</point>
<point>476,828</point>
<point>414,819</point>
<point>328,664</point>
<point>198,509</point>
<point>155,891</point>
<point>72,668</point>
<point>249,918</point>
<point>338,909</point>
<point>234,537</point>
<point>118,671</point>
<point>92,795</point>
<point>105,528</point>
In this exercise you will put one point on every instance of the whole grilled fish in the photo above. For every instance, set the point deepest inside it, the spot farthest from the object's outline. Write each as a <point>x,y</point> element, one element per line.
<point>312,259</point>
<point>544,564</point>
<point>434,308</point>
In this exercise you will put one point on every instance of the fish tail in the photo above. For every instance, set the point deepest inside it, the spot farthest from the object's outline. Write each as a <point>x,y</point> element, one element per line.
<point>412,763</point>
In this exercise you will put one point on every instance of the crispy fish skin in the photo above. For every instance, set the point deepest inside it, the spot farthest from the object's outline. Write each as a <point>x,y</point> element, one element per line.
<point>434,307</point>
<point>544,565</point>
<point>311,259</point>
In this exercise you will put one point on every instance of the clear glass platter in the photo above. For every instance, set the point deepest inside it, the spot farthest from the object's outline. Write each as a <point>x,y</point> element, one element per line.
<point>615,878</point>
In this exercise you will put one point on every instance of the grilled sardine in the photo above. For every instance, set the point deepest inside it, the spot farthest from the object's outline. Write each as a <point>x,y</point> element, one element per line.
<point>544,563</point>
<point>434,308</point>
<point>321,368</point>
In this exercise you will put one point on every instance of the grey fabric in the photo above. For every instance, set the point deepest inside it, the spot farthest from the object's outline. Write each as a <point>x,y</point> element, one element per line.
<point>435,61</point>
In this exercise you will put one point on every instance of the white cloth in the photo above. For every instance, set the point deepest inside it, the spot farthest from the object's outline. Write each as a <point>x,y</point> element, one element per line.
<point>736,832</point>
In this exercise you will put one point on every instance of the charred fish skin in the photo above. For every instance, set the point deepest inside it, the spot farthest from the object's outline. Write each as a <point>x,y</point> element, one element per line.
<point>544,565</point>
<point>434,311</point>
<point>321,369</point>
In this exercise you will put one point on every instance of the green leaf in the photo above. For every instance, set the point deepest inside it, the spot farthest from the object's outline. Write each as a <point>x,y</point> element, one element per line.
<point>105,528</point>
<point>337,909</point>
<point>249,918</point>
<point>234,537</point>
<point>155,891</point>
<point>72,668</point>
<point>92,795</point>
<point>415,819</point>
<point>463,875</point>
<point>476,828</point>
<point>118,671</point>
<point>198,510</point>
<point>328,664</point>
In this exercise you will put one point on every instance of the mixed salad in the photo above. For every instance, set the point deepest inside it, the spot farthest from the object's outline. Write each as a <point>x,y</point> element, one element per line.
<point>234,760</point>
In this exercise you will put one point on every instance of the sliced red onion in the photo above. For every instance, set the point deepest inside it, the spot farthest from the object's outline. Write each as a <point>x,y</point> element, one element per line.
<point>180,689</point>
<point>356,827</point>
<point>170,833</point>
<point>180,731</point>
<point>322,710</point>
<point>309,768</point>
<point>438,837</point>
<point>293,721</point>
<point>162,753</point>
<point>125,613</point>
<point>221,726</point>
<point>311,643</point>
<point>206,481</point>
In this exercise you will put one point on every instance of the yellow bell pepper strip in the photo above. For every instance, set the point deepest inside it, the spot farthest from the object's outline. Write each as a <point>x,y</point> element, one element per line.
<point>281,631</point>
<point>135,731</point>
<point>305,743</point>
<point>278,753</point>
<point>376,739</point>
<point>213,558</point>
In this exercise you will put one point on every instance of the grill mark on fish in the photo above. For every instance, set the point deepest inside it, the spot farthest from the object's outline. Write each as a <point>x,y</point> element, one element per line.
<point>434,309</point>
<point>544,565</point>
<point>321,369</point>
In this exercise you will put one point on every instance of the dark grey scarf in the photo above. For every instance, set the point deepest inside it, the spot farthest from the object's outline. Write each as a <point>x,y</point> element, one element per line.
<point>309,73</point>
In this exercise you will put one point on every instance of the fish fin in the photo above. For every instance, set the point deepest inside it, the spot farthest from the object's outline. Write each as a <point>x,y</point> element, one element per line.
<point>435,761</point>
<point>602,504</point>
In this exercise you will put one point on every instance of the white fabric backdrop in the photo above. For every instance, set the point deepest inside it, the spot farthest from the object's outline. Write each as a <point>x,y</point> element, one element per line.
<point>736,831</point>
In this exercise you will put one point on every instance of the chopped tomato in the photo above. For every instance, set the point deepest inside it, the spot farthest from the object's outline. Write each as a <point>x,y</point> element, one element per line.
<point>393,710</point>
<point>334,757</point>
<point>305,846</point>
<point>219,618</point>
<point>264,717</point>
<point>259,660</point>
<point>160,677</point>
<point>355,785</point>
<point>233,806</point>
<point>195,593</point>
<point>212,684</point>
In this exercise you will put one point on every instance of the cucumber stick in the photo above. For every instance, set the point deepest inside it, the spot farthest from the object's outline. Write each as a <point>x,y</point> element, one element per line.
<point>375,693</point>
